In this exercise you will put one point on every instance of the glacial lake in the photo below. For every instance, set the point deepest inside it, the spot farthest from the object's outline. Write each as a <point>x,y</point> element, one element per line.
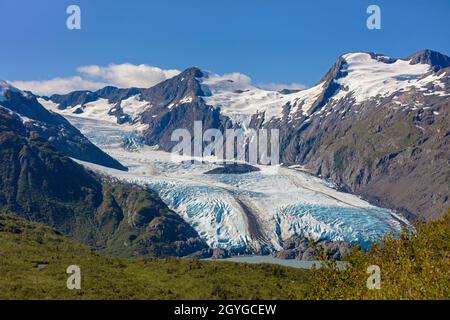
<point>292,263</point>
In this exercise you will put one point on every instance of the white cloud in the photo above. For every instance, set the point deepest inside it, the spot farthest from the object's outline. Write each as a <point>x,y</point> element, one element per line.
<point>95,77</point>
<point>239,78</point>
<point>129,75</point>
<point>242,81</point>
<point>280,86</point>
<point>58,85</point>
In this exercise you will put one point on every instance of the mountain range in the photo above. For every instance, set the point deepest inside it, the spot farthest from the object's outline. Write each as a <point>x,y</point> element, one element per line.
<point>374,126</point>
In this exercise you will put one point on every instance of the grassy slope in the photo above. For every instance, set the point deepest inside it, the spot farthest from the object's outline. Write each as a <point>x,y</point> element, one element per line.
<point>412,267</point>
<point>23,243</point>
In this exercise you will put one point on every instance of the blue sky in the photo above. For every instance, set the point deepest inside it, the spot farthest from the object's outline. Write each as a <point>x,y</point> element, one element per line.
<point>270,41</point>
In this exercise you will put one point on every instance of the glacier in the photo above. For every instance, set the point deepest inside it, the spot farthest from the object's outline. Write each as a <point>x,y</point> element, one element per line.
<point>253,212</point>
<point>258,211</point>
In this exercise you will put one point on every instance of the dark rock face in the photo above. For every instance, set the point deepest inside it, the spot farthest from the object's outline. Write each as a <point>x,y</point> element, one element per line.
<point>40,184</point>
<point>435,59</point>
<point>162,123</point>
<point>177,104</point>
<point>330,85</point>
<point>72,99</point>
<point>233,168</point>
<point>50,126</point>
<point>166,92</point>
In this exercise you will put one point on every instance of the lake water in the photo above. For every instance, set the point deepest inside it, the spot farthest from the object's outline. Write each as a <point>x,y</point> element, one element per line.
<point>292,263</point>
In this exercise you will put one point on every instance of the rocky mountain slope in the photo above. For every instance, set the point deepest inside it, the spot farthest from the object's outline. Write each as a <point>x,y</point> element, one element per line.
<point>383,133</point>
<point>39,183</point>
<point>376,126</point>
<point>21,113</point>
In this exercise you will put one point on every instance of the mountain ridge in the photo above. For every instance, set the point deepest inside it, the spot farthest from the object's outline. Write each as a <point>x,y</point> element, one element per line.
<point>40,184</point>
<point>321,127</point>
<point>34,118</point>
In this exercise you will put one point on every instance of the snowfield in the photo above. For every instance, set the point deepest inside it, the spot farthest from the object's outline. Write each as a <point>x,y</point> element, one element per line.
<point>255,211</point>
<point>368,77</point>
<point>239,100</point>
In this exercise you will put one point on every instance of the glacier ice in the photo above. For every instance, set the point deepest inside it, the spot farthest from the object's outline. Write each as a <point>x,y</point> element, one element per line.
<point>254,211</point>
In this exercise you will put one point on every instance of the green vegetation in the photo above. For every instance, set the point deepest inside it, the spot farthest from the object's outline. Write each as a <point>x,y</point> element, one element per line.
<point>23,244</point>
<point>340,158</point>
<point>414,266</point>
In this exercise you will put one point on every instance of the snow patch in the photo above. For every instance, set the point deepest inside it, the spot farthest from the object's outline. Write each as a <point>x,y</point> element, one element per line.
<point>134,107</point>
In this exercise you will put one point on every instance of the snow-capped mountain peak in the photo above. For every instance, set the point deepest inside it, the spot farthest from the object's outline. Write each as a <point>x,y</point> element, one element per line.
<point>21,113</point>
<point>355,78</point>
<point>238,99</point>
<point>368,75</point>
<point>5,87</point>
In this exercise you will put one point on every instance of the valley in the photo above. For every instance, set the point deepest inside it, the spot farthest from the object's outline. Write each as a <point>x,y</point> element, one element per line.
<point>353,152</point>
<point>246,213</point>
